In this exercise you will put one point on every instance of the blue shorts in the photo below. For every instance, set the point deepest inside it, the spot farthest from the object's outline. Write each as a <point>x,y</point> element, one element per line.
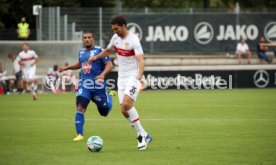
<point>263,56</point>
<point>99,96</point>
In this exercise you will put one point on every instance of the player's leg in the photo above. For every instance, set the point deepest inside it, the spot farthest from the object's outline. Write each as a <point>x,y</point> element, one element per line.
<point>121,92</point>
<point>19,81</point>
<point>103,100</point>
<point>81,104</point>
<point>29,75</point>
<point>34,81</point>
<point>11,85</point>
<point>29,82</point>
<point>130,112</point>
<point>33,86</point>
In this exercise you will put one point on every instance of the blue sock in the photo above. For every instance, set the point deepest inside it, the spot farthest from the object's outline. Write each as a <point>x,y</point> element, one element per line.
<point>109,102</point>
<point>79,122</point>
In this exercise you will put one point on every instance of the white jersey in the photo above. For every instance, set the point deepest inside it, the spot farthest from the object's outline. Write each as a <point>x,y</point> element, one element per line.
<point>28,58</point>
<point>242,48</point>
<point>15,64</point>
<point>67,75</point>
<point>52,73</point>
<point>3,74</point>
<point>127,49</point>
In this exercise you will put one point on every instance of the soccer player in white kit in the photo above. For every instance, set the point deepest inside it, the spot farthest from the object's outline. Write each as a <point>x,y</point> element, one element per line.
<point>17,71</point>
<point>27,60</point>
<point>130,71</point>
<point>53,78</point>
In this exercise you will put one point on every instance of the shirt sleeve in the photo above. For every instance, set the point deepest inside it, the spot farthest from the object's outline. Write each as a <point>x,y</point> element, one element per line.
<point>19,57</point>
<point>35,55</point>
<point>111,43</point>
<point>106,59</point>
<point>137,47</point>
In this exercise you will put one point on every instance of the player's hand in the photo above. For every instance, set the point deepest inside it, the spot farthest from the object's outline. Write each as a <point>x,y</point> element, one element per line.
<point>139,77</point>
<point>100,79</point>
<point>142,85</point>
<point>21,63</point>
<point>93,58</point>
<point>61,68</point>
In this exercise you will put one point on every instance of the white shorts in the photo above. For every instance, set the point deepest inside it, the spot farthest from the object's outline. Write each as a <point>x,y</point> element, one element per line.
<point>29,73</point>
<point>128,86</point>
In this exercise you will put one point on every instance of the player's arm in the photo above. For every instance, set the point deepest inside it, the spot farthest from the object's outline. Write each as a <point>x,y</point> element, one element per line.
<point>35,61</point>
<point>70,67</point>
<point>140,60</point>
<point>20,62</point>
<point>263,46</point>
<point>108,67</point>
<point>103,54</point>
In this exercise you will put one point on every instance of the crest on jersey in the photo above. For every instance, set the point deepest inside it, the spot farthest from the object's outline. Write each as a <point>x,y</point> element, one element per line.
<point>86,68</point>
<point>126,45</point>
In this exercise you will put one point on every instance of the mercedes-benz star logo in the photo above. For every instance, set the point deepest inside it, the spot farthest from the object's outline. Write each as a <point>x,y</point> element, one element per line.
<point>261,78</point>
<point>135,29</point>
<point>203,33</point>
<point>270,32</point>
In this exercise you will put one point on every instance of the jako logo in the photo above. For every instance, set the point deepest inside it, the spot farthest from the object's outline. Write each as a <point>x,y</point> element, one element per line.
<point>270,32</point>
<point>204,33</point>
<point>135,29</point>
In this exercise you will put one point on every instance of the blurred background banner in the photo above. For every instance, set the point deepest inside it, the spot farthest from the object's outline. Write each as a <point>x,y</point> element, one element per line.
<point>206,32</point>
<point>188,35</point>
<point>160,32</point>
<point>208,78</point>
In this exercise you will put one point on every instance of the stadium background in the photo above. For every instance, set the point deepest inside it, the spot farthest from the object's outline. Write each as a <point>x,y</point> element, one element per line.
<point>189,126</point>
<point>170,37</point>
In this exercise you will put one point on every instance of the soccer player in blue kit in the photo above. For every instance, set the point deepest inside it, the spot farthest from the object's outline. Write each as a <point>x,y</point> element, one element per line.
<point>92,85</point>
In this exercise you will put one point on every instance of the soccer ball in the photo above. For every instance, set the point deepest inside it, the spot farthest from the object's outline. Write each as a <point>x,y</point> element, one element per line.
<point>95,144</point>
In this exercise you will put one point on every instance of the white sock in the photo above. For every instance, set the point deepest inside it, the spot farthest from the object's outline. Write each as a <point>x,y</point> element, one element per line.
<point>35,87</point>
<point>135,120</point>
<point>32,88</point>
<point>131,124</point>
<point>52,87</point>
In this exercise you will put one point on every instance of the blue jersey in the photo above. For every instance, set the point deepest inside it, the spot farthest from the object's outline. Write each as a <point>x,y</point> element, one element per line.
<point>91,71</point>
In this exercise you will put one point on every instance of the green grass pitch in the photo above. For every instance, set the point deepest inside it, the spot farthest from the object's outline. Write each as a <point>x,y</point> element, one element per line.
<point>201,127</point>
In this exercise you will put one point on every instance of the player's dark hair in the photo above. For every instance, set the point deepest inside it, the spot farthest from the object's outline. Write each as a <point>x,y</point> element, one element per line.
<point>10,55</point>
<point>55,67</point>
<point>87,31</point>
<point>25,44</point>
<point>119,19</point>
